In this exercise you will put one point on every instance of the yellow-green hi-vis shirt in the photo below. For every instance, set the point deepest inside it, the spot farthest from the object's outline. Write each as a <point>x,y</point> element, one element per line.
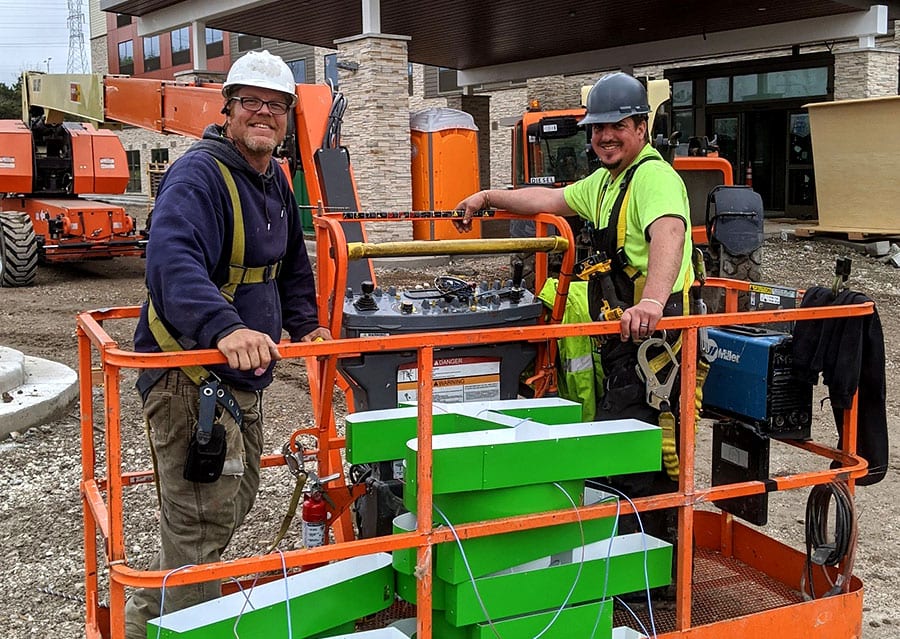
<point>656,191</point>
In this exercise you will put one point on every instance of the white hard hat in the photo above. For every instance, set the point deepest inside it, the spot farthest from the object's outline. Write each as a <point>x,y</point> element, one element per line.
<point>260,69</point>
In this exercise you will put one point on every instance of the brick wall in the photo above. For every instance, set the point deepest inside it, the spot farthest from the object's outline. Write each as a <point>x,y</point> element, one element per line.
<point>144,141</point>
<point>99,55</point>
<point>504,105</point>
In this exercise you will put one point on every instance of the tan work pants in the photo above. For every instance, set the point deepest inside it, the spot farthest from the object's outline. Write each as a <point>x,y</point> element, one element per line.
<point>196,520</point>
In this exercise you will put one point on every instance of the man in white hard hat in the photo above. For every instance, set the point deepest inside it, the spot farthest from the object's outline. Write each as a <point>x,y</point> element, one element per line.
<point>224,197</point>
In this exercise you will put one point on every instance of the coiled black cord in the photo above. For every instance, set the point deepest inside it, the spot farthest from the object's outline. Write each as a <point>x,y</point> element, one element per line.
<point>332,139</point>
<point>822,551</point>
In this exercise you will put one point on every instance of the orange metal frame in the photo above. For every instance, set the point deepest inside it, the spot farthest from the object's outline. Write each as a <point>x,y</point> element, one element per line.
<point>833,617</point>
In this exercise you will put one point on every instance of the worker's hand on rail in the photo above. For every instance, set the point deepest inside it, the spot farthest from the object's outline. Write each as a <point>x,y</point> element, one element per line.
<point>318,335</point>
<point>639,321</point>
<point>247,349</point>
<point>475,202</point>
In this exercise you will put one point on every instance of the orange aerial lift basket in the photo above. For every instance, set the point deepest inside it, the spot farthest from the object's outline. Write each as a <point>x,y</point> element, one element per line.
<point>717,574</point>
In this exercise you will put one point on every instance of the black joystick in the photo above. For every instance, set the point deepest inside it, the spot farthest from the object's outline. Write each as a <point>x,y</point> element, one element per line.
<point>366,302</point>
<point>515,291</point>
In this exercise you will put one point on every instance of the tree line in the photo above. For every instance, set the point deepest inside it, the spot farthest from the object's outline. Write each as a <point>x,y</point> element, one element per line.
<point>11,100</point>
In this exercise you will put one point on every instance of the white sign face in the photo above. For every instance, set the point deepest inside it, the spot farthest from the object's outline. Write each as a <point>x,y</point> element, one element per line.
<point>107,163</point>
<point>550,128</point>
<point>7,162</point>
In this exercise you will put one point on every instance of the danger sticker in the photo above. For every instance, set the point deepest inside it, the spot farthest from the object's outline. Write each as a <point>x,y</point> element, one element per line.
<point>107,163</point>
<point>454,379</point>
<point>7,162</point>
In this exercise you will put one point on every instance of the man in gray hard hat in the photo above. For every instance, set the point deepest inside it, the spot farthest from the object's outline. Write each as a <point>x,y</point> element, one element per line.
<point>227,268</point>
<point>638,206</point>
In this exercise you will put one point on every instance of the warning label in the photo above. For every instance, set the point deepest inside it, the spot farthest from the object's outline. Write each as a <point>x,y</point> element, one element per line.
<point>455,379</point>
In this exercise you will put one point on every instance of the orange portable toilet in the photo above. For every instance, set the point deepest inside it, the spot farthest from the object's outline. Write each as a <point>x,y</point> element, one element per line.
<point>444,169</point>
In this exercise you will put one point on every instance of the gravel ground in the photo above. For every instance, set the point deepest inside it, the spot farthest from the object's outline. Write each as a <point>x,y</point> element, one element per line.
<point>41,576</point>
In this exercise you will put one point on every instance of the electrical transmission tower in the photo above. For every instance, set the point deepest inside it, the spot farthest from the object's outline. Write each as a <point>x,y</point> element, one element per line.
<point>77,62</point>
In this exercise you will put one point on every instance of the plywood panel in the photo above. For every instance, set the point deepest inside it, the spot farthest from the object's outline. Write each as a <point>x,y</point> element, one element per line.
<point>857,165</point>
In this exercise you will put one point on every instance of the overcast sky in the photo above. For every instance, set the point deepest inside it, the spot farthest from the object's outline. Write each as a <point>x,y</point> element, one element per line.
<point>33,31</point>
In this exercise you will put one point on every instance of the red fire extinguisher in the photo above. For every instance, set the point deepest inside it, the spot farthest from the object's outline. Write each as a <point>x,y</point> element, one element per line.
<point>315,520</point>
<point>748,176</point>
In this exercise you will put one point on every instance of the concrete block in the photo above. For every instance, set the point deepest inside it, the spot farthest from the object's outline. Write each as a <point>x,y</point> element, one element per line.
<point>33,391</point>
<point>12,369</point>
<point>876,249</point>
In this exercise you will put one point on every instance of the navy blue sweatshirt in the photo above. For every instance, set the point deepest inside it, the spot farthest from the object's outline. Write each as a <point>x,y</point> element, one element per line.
<point>190,247</point>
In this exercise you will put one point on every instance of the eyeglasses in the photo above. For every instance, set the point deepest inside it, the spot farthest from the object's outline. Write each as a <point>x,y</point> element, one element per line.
<point>255,104</point>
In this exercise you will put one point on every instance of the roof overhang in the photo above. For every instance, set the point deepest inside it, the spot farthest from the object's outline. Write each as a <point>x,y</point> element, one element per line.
<point>506,40</point>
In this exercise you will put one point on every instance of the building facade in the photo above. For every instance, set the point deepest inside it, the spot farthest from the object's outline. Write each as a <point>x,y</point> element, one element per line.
<point>751,105</point>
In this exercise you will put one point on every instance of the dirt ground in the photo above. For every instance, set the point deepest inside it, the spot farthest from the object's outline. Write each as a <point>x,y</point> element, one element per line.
<point>41,575</point>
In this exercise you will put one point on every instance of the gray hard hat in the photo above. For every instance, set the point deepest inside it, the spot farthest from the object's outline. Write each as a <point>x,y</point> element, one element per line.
<point>615,97</point>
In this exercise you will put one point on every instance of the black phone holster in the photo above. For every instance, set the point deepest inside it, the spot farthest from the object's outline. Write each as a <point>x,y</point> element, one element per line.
<point>208,447</point>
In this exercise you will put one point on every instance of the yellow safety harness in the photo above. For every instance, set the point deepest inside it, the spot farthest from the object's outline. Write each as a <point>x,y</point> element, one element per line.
<point>669,352</point>
<point>238,274</point>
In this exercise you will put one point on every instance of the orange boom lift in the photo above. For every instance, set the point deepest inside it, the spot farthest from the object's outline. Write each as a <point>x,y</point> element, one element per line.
<point>715,574</point>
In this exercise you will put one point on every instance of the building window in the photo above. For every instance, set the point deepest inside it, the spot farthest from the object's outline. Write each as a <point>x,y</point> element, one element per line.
<point>181,46</point>
<point>683,121</point>
<point>134,171</point>
<point>214,43</point>
<point>122,20</point>
<point>298,68</point>
<point>151,53</point>
<point>683,93</point>
<point>159,156</point>
<point>717,90</point>
<point>247,42</point>
<point>126,57</point>
<point>331,71</point>
<point>409,77</point>
<point>777,85</point>
<point>447,80</point>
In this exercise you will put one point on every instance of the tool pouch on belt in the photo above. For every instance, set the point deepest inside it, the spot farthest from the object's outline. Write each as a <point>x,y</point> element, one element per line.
<point>205,460</point>
<point>208,447</point>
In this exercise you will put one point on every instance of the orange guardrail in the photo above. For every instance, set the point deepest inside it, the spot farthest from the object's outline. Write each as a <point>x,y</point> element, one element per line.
<point>102,493</point>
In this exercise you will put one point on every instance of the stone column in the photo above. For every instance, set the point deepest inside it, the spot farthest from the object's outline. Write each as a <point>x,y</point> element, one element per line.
<point>865,73</point>
<point>553,92</point>
<point>374,80</point>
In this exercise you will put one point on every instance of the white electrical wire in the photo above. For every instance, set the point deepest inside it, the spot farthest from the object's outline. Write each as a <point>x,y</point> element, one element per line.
<point>606,570</point>
<point>162,599</point>
<point>646,559</point>
<point>475,586</point>
<point>287,599</point>
<point>468,569</point>
<point>287,595</point>
<point>244,605</point>
<point>635,617</point>
<point>580,565</point>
